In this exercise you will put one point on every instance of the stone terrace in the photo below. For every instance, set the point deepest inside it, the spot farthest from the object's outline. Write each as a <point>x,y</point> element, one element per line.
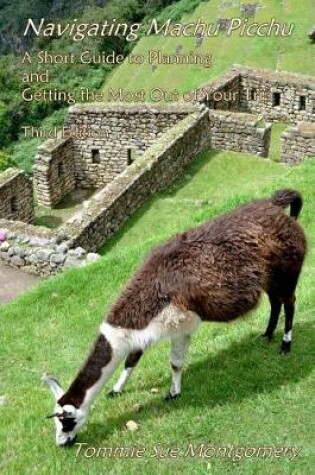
<point>128,152</point>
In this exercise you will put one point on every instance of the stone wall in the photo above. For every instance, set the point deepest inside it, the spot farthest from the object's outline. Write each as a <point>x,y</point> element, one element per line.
<point>43,251</point>
<point>105,139</point>
<point>114,135</point>
<point>222,93</point>
<point>277,95</point>
<point>38,250</point>
<point>155,170</point>
<point>239,132</point>
<point>298,143</point>
<point>16,196</point>
<point>54,175</point>
<point>133,151</point>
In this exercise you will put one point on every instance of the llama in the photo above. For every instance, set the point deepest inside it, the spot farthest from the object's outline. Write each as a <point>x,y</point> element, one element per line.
<point>214,272</point>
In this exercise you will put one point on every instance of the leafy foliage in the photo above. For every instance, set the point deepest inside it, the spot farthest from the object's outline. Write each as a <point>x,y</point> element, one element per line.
<point>14,14</point>
<point>14,111</point>
<point>5,161</point>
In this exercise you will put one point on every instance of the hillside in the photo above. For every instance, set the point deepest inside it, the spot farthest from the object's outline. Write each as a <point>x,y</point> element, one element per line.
<point>294,54</point>
<point>13,14</point>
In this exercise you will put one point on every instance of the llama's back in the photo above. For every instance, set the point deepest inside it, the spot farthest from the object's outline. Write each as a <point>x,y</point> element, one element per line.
<point>218,269</point>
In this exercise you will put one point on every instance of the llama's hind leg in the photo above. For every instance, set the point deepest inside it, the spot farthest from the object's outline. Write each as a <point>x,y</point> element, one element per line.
<point>130,364</point>
<point>276,304</point>
<point>179,350</point>
<point>289,286</point>
<point>289,308</point>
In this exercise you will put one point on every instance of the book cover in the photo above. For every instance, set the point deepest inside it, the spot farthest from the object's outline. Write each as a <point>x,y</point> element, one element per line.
<point>157,177</point>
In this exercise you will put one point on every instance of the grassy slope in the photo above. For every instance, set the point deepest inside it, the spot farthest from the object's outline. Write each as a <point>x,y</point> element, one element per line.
<point>293,54</point>
<point>237,390</point>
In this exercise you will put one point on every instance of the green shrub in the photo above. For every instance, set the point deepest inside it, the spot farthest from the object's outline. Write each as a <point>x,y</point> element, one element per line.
<point>5,161</point>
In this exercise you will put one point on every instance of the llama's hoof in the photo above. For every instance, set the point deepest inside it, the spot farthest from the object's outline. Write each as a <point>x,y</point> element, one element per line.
<point>112,394</point>
<point>285,347</point>
<point>267,336</point>
<point>171,397</point>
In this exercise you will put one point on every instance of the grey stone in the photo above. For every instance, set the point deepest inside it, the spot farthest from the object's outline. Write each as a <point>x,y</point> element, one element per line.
<point>32,259</point>
<point>4,246</point>
<point>57,259</point>
<point>72,261</point>
<point>71,243</point>
<point>92,256</point>
<point>62,248</point>
<point>19,251</point>
<point>78,252</point>
<point>39,241</point>
<point>35,241</point>
<point>62,236</point>
<point>16,261</point>
<point>44,254</point>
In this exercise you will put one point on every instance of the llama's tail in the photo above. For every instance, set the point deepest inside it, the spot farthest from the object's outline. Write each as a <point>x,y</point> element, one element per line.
<point>288,197</point>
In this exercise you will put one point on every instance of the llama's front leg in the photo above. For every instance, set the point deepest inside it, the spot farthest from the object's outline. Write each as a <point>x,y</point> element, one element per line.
<point>179,350</point>
<point>130,364</point>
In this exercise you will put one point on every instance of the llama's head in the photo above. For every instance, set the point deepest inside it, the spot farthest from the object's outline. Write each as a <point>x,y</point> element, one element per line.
<point>68,418</point>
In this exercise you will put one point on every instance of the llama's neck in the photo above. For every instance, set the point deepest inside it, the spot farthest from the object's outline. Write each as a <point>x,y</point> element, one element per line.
<point>142,299</point>
<point>97,369</point>
<point>140,302</point>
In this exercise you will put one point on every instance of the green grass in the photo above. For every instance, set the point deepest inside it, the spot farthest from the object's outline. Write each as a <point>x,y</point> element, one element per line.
<point>294,53</point>
<point>24,150</point>
<point>196,195</point>
<point>276,131</point>
<point>237,390</point>
<point>69,205</point>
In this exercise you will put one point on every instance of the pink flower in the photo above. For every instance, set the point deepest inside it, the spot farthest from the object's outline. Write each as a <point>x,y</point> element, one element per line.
<point>2,236</point>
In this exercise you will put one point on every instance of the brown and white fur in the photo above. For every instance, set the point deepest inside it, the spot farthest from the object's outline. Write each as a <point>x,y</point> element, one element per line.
<point>214,272</point>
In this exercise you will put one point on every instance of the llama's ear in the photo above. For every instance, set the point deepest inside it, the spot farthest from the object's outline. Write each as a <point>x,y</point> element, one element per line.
<point>55,387</point>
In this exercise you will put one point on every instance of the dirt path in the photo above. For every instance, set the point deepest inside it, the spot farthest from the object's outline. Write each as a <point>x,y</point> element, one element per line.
<point>14,282</point>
